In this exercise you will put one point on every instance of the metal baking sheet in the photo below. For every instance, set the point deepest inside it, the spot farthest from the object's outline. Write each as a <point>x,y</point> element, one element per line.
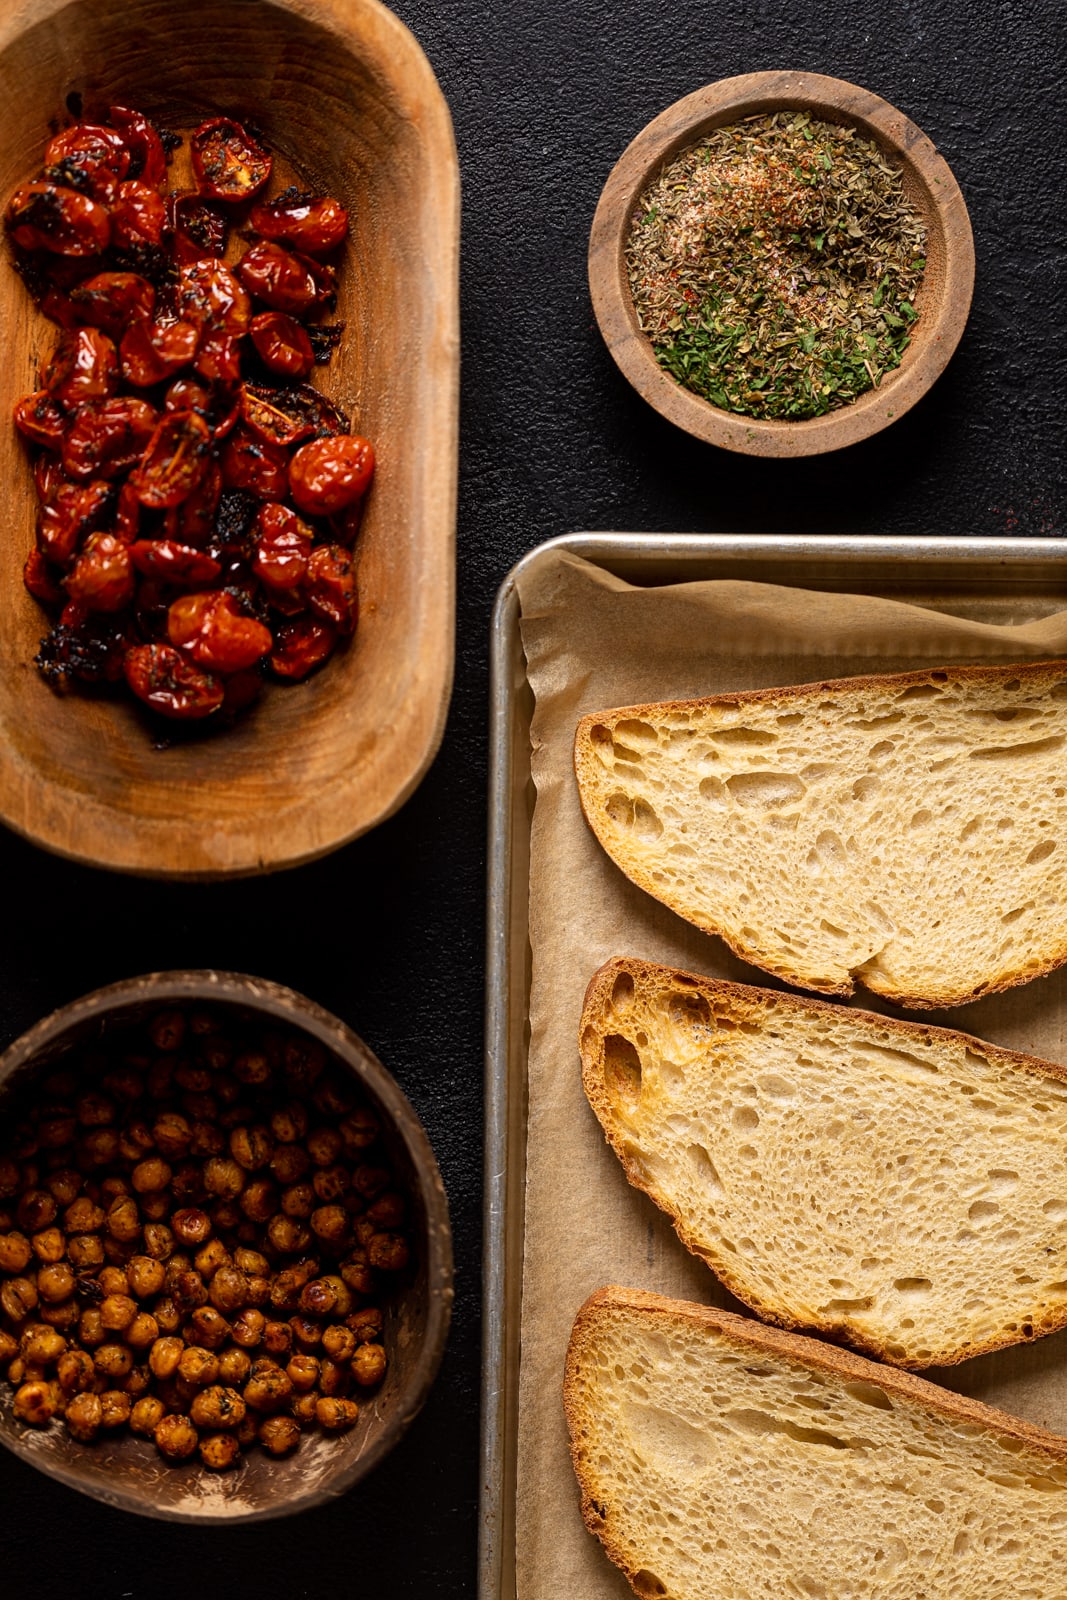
<point>986,573</point>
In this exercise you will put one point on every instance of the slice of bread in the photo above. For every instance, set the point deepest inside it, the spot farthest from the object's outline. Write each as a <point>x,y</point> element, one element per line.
<point>718,1458</point>
<point>904,831</point>
<point>898,1186</point>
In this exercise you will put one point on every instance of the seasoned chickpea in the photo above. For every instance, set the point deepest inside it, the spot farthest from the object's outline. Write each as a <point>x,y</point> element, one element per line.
<point>36,1402</point>
<point>279,1435</point>
<point>156,1207</point>
<point>366,1324</point>
<point>83,1216</point>
<point>113,1360</point>
<point>302,1407</point>
<point>224,1177</point>
<point>387,1212</point>
<point>49,1246</point>
<point>135,1141</point>
<point>158,1241</point>
<point>190,1290</point>
<point>116,1407</point>
<point>175,1437</point>
<point>277,1338</point>
<point>150,1175</point>
<point>75,1371</point>
<point>142,1331</point>
<point>208,1140</point>
<point>85,1250</point>
<point>90,1328</point>
<point>113,1280</point>
<point>251,1147</point>
<point>83,1417</point>
<point>388,1252</point>
<point>210,1258</point>
<point>339,1343</point>
<point>298,1200</point>
<point>356,1272</point>
<point>247,1432</point>
<point>234,1366</point>
<point>287,1235</point>
<point>18,1297</point>
<point>258,1291</point>
<point>146,1414</point>
<point>123,1219</point>
<point>334,1378</point>
<point>359,1130</point>
<point>190,1226</point>
<point>9,1346</point>
<point>167,1313</point>
<point>229,1289</point>
<point>15,1252</point>
<point>307,1333</point>
<point>165,1355</point>
<point>41,1345</point>
<point>56,1283</point>
<point>220,1451</point>
<point>36,1209</point>
<point>173,1135</point>
<point>64,1185</point>
<point>324,1146</point>
<point>335,1414</point>
<point>290,1163</point>
<point>167,1029</point>
<point>197,1366</point>
<point>259,1200</point>
<point>209,1328</point>
<point>303,1372</point>
<point>248,1328</point>
<point>218,1407</point>
<point>368,1365</point>
<point>99,1146</point>
<point>95,1110</point>
<point>62,1316</point>
<point>187,1184</point>
<point>251,1261</point>
<point>267,1389</point>
<point>328,1296</point>
<point>334,1096</point>
<point>195,1080</point>
<point>330,1183</point>
<point>145,1276</point>
<point>138,1382</point>
<point>117,1311</point>
<point>370,1181</point>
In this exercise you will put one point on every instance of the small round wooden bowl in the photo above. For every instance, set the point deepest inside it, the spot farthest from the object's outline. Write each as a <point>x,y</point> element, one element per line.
<point>943,300</point>
<point>126,1471</point>
<point>348,103</point>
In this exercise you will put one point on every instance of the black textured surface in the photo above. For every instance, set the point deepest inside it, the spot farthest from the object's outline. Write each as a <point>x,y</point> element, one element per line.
<point>389,932</point>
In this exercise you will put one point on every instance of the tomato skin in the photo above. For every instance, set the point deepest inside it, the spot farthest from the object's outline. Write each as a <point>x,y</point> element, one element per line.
<point>279,278</point>
<point>228,163</point>
<point>102,577</point>
<point>199,229</point>
<point>83,366</point>
<point>138,217</point>
<point>250,463</point>
<point>330,586</point>
<point>41,418</point>
<point>168,683</point>
<point>211,297</point>
<point>40,582</point>
<point>172,562</point>
<point>282,548</point>
<point>193,522</point>
<point>312,225</point>
<point>153,351</point>
<point>112,300</point>
<point>282,344</point>
<point>301,646</point>
<point>174,461</point>
<point>215,634</point>
<point>328,475</point>
<point>218,358</point>
<point>68,517</point>
<point>107,437</point>
<point>148,159</point>
<point>88,158</point>
<point>44,216</point>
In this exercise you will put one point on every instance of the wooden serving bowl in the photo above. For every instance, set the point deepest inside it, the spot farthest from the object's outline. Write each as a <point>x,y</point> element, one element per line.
<point>126,1471</point>
<point>341,91</point>
<point>942,302</point>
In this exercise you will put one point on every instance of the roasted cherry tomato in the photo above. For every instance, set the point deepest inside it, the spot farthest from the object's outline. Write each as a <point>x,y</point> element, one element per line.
<point>219,407</point>
<point>138,217</point>
<point>266,414</point>
<point>152,351</point>
<point>174,461</point>
<point>83,366</point>
<point>88,158</point>
<point>327,475</point>
<point>48,477</point>
<point>193,522</point>
<point>227,161</point>
<point>102,577</point>
<point>199,229</point>
<point>148,159</point>
<point>56,305</point>
<point>127,513</point>
<point>330,586</point>
<point>170,684</point>
<point>41,418</point>
<point>282,344</point>
<point>211,629</point>
<point>250,463</point>
<point>210,296</point>
<point>283,545</point>
<point>171,562</point>
<point>113,300</point>
<point>309,223</point>
<point>218,358</point>
<point>279,278</point>
<point>68,517</point>
<point>39,579</point>
<point>107,437</point>
<point>301,646</point>
<point>45,216</point>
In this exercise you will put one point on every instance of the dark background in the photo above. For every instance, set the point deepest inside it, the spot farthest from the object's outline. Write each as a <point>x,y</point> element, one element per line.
<point>389,932</point>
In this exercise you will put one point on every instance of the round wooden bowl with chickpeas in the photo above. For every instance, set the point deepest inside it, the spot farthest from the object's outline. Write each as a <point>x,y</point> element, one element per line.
<point>225,1259</point>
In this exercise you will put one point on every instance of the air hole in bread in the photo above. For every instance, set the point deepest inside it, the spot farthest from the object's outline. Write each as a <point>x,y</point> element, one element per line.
<point>1017,752</point>
<point>1056,1209</point>
<point>636,732</point>
<point>1040,852</point>
<point>912,1285</point>
<point>713,790</point>
<point>703,1169</point>
<point>867,787</point>
<point>622,1070</point>
<point>983,1211</point>
<point>844,1308</point>
<point>622,994</point>
<point>745,1118</point>
<point>647,1585</point>
<point>919,691</point>
<point>869,1394</point>
<point>689,1010</point>
<point>743,735</point>
<point>635,815</point>
<point>766,791</point>
<point>759,1424</point>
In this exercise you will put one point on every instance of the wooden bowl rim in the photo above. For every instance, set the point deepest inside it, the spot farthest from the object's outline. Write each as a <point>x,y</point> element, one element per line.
<point>289,1006</point>
<point>681,125</point>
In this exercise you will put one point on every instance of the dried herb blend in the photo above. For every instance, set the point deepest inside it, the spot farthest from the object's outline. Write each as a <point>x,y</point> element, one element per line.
<point>774,266</point>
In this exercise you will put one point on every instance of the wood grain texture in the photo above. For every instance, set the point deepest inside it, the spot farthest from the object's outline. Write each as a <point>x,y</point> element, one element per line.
<point>125,1471</point>
<point>943,301</point>
<point>340,90</point>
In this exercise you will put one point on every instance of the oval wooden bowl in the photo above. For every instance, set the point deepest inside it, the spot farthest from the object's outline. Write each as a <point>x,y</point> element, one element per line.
<point>343,92</point>
<point>126,1471</point>
<point>943,301</point>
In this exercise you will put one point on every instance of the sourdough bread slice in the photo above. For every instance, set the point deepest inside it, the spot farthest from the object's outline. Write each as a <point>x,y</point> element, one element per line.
<point>904,831</point>
<point>898,1186</point>
<point>718,1458</point>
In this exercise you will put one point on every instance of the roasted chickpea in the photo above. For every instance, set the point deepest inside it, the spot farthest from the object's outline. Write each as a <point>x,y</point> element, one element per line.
<point>388,1252</point>
<point>339,1343</point>
<point>326,1297</point>
<point>41,1345</point>
<point>173,1135</point>
<point>62,1316</point>
<point>335,1414</point>
<point>248,1328</point>
<point>18,1297</point>
<point>234,1366</point>
<point>56,1283</point>
<point>259,1200</point>
<point>218,1407</point>
<point>210,1258</point>
<point>267,1389</point>
<point>359,1131</point>
<point>334,1378</point>
<point>368,1365</point>
<point>167,1313</point>
<point>49,1246</point>
<point>279,1435</point>
<point>303,1372</point>
<point>190,1290</point>
<point>324,1146</point>
<point>224,1177</point>
<point>145,1276</point>
<point>113,1360</point>
<point>258,1291</point>
<point>366,1324</point>
<point>99,1146</point>
<point>187,1186</point>
<point>197,1366</point>
<point>135,1141</point>
<point>290,1163</point>
<point>95,1110</point>
<point>277,1338</point>
<point>370,1181</point>
<point>15,1252</point>
<point>116,1407</point>
<point>175,1437</point>
<point>356,1273</point>
<point>164,1356</point>
<point>150,1175</point>
<point>251,1147</point>
<point>75,1371</point>
<point>83,1216</point>
<point>85,1250</point>
<point>251,1262</point>
<point>251,1067</point>
<point>117,1311</point>
<point>190,1226</point>
<point>330,1184</point>
<point>387,1212</point>
<point>8,1346</point>
<point>123,1219</point>
<point>158,1241</point>
<point>220,1451</point>
<point>298,1200</point>
<point>36,1209</point>
<point>287,1235</point>
<point>142,1331</point>
<point>138,1382</point>
<point>113,1280</point>
<point>167,1030</point>
<point>146,1414</point>
<point>83,1417</point>
<point>90,1328</point>
<point>302,1407</point>
<point>209,1327</point>
<point>229,1289</point>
